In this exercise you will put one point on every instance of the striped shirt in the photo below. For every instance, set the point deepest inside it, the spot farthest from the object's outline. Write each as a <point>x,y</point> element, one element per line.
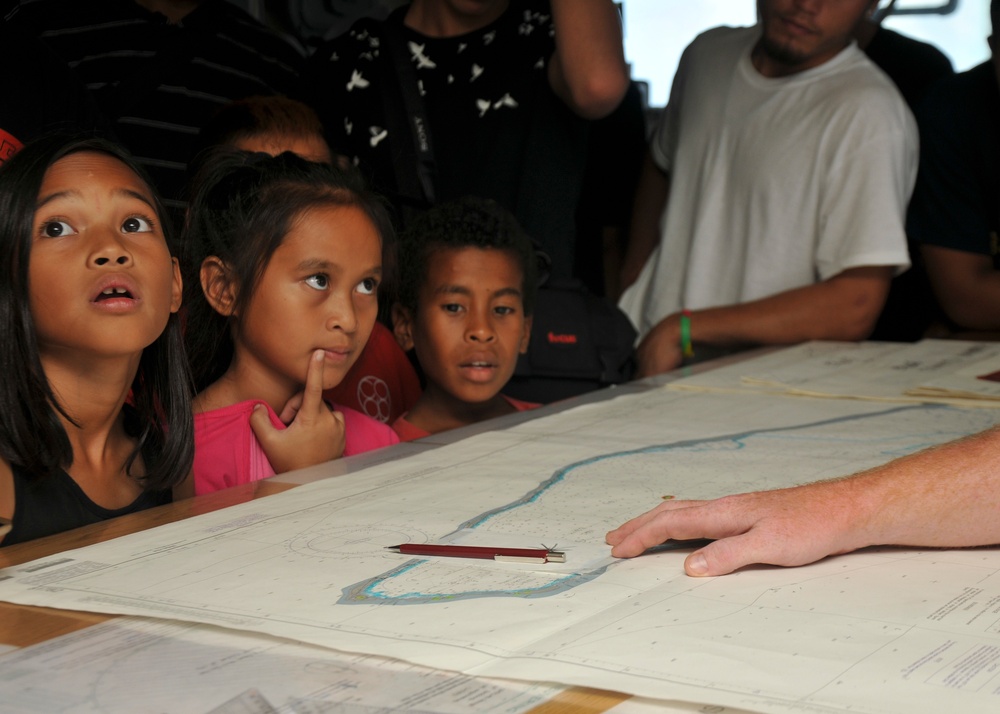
<point>158,83</point>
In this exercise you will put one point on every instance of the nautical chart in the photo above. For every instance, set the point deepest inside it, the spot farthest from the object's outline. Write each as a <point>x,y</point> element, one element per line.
<point>882,631</point>
<point>131,665</point>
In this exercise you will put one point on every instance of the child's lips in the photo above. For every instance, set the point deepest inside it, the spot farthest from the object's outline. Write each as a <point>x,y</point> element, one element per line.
<point>114,286</point>
<point>478,370</point>
<point>115,293</point>
<point>337,355</point>
<point>111,293</point>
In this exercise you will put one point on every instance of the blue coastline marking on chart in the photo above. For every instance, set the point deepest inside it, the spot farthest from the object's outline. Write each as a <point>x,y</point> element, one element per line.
<point>368,591</point>
<point>739,439</point>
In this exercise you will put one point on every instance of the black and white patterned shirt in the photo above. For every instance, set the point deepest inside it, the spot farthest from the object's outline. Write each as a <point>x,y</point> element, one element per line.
<point>497,128</point>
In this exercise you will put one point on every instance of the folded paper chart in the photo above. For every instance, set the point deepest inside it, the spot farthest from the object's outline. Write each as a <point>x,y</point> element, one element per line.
<point>932,371</point>
<point>886,630</point>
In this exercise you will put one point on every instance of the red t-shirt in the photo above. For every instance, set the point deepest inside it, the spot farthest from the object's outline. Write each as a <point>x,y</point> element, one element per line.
<point>382,384</point>
<point>407,432</point>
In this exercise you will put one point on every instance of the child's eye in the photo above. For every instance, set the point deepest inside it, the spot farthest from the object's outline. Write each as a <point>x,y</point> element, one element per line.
<point>451,307</point>
<point>55,229</point>
<point>318,281</point>
<point>504,310</point>
<point>368,286</point>
<point>137,224</point>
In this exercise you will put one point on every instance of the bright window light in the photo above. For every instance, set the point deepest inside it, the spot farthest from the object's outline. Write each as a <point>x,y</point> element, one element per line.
<point>657,31</point>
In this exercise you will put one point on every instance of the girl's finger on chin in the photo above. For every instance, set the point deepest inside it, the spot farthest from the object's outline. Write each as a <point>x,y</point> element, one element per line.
<point>312,395</point>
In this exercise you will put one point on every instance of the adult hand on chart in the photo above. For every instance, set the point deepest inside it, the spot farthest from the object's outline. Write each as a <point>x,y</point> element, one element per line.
<point>789,526</point>
<point>942,497</point>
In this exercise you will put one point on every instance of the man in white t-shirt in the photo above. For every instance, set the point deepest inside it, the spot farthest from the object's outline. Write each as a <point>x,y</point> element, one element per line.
<point>789,159</point>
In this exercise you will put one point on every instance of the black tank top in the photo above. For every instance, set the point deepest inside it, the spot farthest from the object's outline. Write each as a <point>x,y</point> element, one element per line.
<point>55,503</point>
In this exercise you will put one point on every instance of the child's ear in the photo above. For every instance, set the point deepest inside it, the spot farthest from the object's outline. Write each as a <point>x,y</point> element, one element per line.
<point>217,284</point>
<point>177,287</point>
<point>525,336</point>
<point>402,326</point>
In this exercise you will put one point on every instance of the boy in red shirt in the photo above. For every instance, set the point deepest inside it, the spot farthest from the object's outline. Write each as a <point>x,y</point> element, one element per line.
<point>465,301</point>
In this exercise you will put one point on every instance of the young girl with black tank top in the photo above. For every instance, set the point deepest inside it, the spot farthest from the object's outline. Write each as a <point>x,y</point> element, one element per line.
<point>96,411</point>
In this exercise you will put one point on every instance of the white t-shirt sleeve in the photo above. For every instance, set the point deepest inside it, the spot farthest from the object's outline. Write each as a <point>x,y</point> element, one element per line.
<point>664,140</point>
<point>871,177</point>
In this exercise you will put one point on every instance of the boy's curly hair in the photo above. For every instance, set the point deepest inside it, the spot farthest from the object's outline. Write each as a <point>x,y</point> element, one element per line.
<point>469,222</point>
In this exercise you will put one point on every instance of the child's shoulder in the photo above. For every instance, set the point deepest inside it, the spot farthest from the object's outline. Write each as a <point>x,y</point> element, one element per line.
<point>407,431</point>
<point>238,413</point>
<point>219,398</point>
<point>226,451</point>
<point>227,427</point>
<point>6,495</point>
<point>519,405</point>
<point>362,433</point>
<point>208,411</point>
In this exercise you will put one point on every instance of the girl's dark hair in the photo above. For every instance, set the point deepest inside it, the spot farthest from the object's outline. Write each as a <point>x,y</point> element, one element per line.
<point>242,207</point>
<point>32,436</point>
<point>468,222</point>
